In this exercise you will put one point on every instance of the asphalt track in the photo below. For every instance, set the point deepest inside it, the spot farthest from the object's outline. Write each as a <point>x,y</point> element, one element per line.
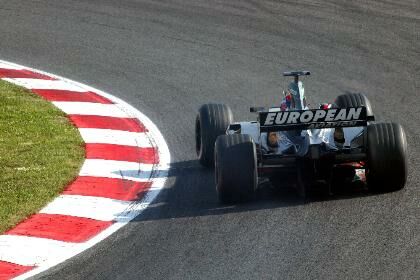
<point>168,57</point>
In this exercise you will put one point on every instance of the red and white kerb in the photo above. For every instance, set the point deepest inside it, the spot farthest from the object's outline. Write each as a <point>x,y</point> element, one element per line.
<point>125,167</point>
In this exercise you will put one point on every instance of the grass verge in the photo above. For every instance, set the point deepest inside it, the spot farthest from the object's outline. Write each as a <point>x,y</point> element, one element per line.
<point>40,153</point>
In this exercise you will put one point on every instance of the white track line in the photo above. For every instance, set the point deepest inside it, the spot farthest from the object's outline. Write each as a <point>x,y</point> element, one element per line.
<point>9,66</point>
<point>118,137</point>
<point>95,109</point>
<point>44,84</point>
<point>97,208</point>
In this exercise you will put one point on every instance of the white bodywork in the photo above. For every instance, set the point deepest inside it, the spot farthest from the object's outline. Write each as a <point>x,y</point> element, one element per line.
<point>315,136</point>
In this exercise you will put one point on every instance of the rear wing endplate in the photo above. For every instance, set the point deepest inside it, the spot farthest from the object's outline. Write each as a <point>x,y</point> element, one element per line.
<point>312,119</point>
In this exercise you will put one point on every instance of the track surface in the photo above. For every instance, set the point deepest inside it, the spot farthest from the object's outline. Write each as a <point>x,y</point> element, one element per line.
<point>168,57</point>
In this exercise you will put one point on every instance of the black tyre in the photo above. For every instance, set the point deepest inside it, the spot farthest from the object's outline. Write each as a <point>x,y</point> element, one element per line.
<point>212,120</point>
<point>387,157</point>
<point>236,168</point>
<point>354,100</point>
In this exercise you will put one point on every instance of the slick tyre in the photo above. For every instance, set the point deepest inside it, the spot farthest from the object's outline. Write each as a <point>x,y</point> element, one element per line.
<point>387,157</point>
<point>354,100</point>
<point>212,120</point>
<point>235,168</point>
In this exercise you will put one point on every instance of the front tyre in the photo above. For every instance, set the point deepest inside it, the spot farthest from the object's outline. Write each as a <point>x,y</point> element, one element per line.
<point>354,100</point>
<point>212,120</point>
<point>387,157</point>
<point>235,168</point>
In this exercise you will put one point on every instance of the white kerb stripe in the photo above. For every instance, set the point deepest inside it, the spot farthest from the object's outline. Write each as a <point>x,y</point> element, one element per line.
<point>95,109</point>
<point>97,208</point>
<point>117,137</point>
<point>117,169</point>
<point>44,84</point>
<point>30,251</point>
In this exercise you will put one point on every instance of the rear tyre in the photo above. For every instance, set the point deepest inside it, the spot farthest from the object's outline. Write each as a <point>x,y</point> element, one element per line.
<point>354,100</point>
<point>212,120</point>
<point>235,168</point>
<point>387,157</point>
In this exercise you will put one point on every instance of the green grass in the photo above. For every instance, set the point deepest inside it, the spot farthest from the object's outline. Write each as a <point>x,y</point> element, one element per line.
<point>40,153</point>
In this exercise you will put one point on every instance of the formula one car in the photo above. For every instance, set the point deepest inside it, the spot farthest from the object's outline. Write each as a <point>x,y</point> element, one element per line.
<point>322,145</point>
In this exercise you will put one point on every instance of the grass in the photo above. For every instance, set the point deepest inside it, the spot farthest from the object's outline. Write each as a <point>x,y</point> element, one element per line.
<point>40,153</point>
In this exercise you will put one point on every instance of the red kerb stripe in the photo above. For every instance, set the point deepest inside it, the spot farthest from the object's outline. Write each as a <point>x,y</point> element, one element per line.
<point>67,95</point>
<point>108,187</point>
<point>126,124</point>
<point>13,73</point>
<point>11,270</point>
<point>59,227</point>
<point>122,153</point>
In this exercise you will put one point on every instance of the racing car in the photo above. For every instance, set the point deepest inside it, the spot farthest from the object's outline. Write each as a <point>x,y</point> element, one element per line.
<point>317,145</point>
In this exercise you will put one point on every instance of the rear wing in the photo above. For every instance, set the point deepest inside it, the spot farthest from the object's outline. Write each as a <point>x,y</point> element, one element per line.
<point>310,119</point>
<point>296,73</point>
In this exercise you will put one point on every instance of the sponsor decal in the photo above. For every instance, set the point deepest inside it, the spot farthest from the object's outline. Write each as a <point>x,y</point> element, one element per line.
<point>308,119</point>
